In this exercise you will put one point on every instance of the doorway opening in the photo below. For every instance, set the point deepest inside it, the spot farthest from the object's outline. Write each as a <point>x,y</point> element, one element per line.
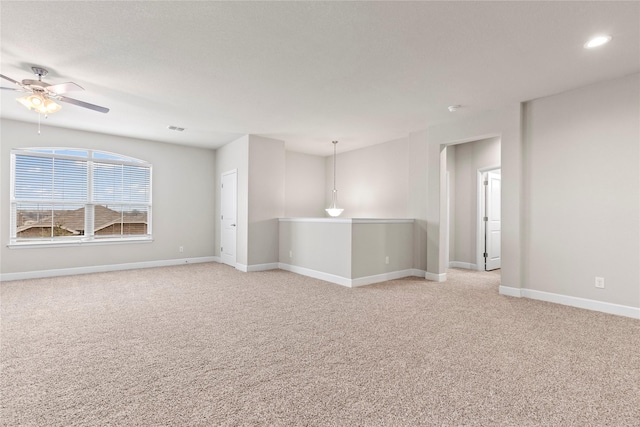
<point>489,235</point>
<point>469,202</point>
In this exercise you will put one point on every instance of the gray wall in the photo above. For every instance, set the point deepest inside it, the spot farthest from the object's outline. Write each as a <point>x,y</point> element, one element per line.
<point>234,155</point>
<point>324,247</point>
<point>347,249</point>
<point>417,185</point>
<point>266,198</point>
<point>260,163</point>
<point>304,185</point>
<point>372,182</point>
<point>183,200</point>
<point>506,123</point>
<point>582,192</point>
<point>387,180</point>
<point>372,243</point>
<point>451,174</point>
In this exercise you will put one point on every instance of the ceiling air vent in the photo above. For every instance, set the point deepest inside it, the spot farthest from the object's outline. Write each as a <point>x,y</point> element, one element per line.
<point>176,128</point>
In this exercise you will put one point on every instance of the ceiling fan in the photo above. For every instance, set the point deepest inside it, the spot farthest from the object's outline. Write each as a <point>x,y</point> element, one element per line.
<point>43,96</point>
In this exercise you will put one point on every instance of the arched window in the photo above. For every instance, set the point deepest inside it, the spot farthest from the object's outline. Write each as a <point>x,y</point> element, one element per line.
<point>67,195</point>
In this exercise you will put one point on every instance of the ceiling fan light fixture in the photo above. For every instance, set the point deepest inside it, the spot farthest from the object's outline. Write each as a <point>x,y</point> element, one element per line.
<point>36,101</point>
<point>33,101</point>
<point>25,101</point>
<point>51,107</point>
<point>39,103</point>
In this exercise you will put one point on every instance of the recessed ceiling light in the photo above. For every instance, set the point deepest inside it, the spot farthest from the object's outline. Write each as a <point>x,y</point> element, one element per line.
<point>453,108</point>
<point>597,41</point>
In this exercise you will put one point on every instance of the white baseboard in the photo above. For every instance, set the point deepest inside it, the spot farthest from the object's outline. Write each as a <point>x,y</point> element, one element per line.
<point>587,304</point>
<point>465,265</point>
<point>393,275</point>
<point>442,277</point>
<point>263,267</point>
<point>338,280</point>
<point>257,267</point>
<point>103,268</point>
<point>351,283</point>
<point>509,291</point>
<point>415,272</point>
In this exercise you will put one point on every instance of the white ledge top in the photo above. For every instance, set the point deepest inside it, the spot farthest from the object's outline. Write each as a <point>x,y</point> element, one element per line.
<point>352,220</point>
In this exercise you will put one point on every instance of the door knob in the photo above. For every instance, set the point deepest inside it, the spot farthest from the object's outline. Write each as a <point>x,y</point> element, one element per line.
<point>233,225</point>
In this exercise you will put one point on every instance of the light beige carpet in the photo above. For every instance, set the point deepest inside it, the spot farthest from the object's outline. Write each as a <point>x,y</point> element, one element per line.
<point>204,344</point>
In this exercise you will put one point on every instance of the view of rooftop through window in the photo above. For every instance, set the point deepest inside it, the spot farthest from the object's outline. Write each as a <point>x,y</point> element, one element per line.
<point>67,194</point>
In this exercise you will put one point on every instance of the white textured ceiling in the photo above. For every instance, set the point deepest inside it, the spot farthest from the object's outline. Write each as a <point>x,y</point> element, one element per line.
<point>306,72</point>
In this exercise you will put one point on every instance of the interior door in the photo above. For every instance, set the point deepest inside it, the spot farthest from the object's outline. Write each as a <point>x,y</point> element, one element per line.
<point>228,220</point>
<point>492,221</point>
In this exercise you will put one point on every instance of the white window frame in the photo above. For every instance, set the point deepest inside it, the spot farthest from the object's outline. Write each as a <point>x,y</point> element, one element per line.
<point>89,204</point>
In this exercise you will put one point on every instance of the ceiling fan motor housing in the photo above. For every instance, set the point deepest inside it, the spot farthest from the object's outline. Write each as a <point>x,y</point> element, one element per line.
<point>40,72</point>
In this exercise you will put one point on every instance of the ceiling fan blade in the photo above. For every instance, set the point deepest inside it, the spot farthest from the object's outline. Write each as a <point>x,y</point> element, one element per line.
<point>10,79</point>
<point>82,104</point>
<point>10,88</point>
<point>64,87</point>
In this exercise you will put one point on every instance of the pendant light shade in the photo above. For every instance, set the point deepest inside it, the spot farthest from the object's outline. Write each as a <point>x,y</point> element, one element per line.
<point>334,210</point>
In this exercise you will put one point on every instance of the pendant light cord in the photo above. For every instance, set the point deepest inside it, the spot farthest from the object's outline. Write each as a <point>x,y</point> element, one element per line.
<point>335,143</point>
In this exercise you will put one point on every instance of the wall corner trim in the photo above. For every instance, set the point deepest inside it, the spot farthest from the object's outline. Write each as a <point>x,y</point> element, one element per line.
<point>262,267</point>
<point>509,291</point>
<point>442,277</point>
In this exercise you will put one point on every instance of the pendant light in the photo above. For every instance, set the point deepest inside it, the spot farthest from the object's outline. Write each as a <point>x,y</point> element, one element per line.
<point>333,210</point>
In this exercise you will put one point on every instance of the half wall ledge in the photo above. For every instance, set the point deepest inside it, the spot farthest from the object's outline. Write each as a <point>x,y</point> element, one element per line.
<point>348,251</point>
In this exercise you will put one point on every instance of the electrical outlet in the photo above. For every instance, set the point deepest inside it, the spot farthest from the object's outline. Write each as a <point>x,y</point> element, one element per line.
<point>290,254</point>
<point>180,249</point>
<point>386,260</point>
<point>600,282</point>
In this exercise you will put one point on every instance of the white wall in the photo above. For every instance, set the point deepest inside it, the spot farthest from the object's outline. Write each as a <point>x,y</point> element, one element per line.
<point>582,187</point>
<point>468,158</point>
<point>183,200</point>
<point>304,185</point>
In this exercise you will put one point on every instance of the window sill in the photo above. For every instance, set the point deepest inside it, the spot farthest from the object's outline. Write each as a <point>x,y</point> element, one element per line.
<point>69,243</point>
